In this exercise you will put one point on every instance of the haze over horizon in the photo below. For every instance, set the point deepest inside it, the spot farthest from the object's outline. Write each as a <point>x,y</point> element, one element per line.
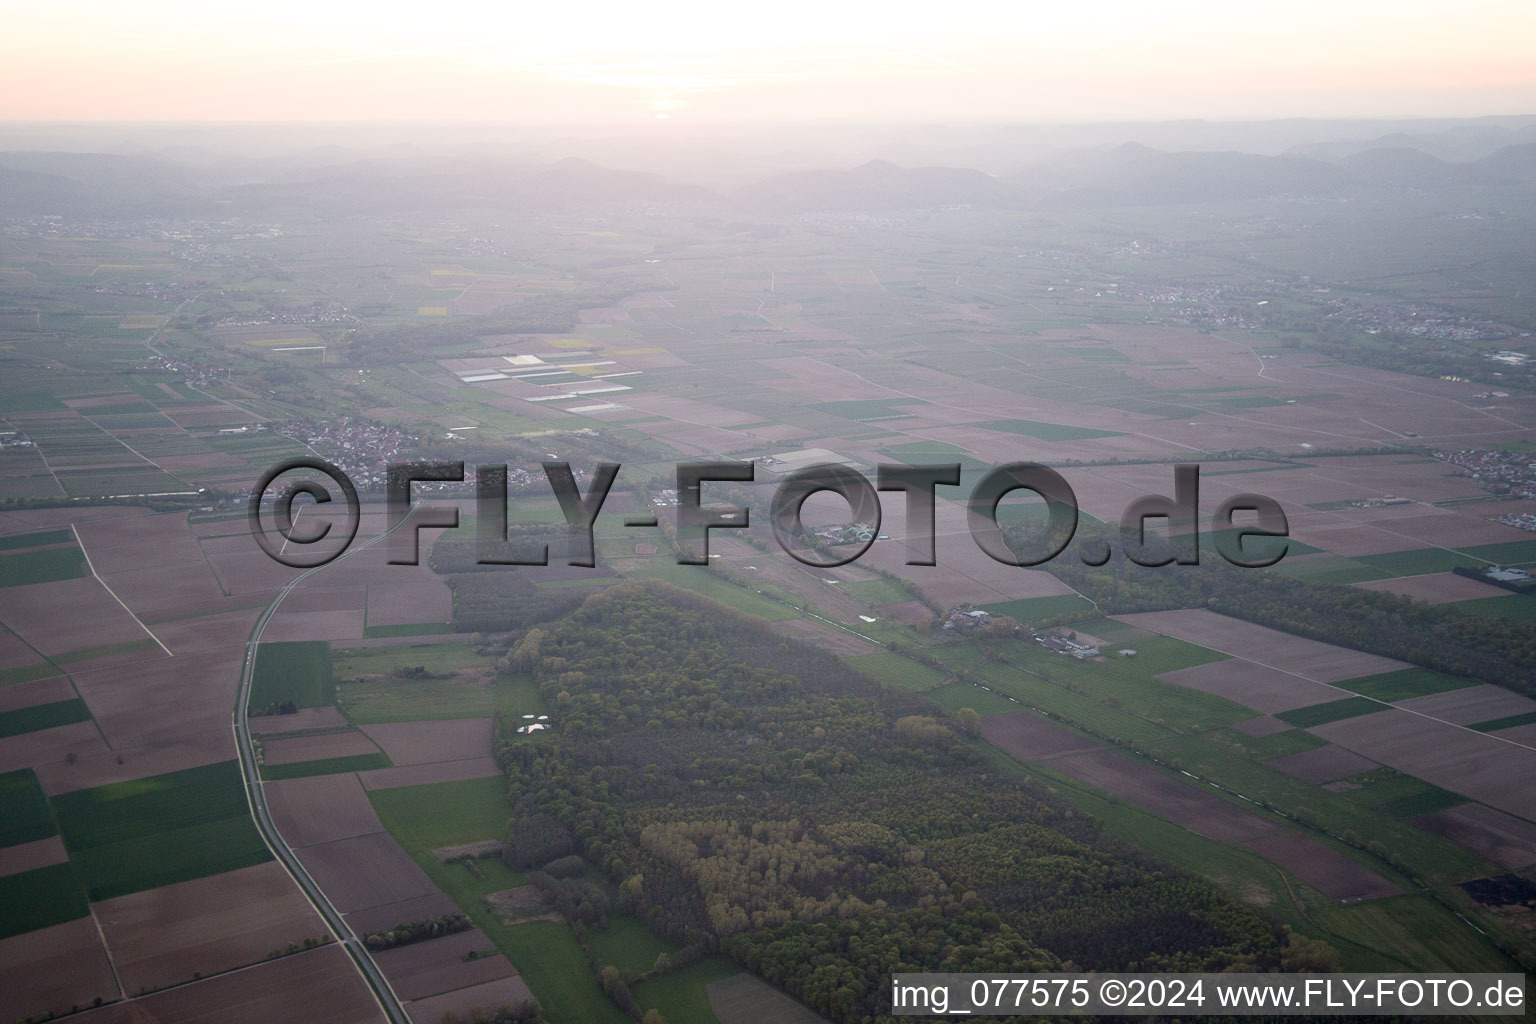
<point>691,62</point>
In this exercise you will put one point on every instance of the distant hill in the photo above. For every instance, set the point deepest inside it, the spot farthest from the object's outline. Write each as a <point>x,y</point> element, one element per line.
<point>1134,175</point>
<point>377,185</point>
<point>1413,168</point>
<point>1517,162</point>
<point>877,185</point>
<point>95,184</point>
<point>1457,143</point>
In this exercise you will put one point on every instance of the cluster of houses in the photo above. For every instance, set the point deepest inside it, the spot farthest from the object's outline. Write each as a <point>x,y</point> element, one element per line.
<point>1065,645</point>
<point>962,621</point>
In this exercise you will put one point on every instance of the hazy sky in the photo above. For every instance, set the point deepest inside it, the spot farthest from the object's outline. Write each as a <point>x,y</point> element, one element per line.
<point>786,60</point>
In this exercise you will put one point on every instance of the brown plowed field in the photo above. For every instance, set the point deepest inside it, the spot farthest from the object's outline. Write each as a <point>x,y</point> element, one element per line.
<point>104,766</point>
<point>1196,809</point>
<point>164,936</point>
<point>1507,841</point>
<point>291,750</point>
<point>39,853</point>
<point>207,632</point>
<point>1256,686</point>
<point>67,615</point>
<point>1322,867</point>
<point>14,653</point>
<point>46,746</point>
<point>321,809</point>
<point>53,969</point>
<point>387,915</point>
<point>1324,663</point>
<point>438,771</point>
<point>168,592</point>
<point>504,991</point>
<point>430,968</point>
<point>158,703</point>
<point>36,691</point>
<point>342,625</point>
<point>409,603</point>
<point>1436,588</point>
<point>1261,726</point>
<point>317,987</point>
<point>141,542</point>
<point>1481,703</point>
<point>453,739</point>
<point>1031,738</point>
<point>304,718</point>
<point>1477,765</point>
<point>365,871</point>
<point>1322,764</point>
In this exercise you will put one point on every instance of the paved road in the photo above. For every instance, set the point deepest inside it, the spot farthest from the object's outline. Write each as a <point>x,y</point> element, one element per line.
<point>388,1001</point>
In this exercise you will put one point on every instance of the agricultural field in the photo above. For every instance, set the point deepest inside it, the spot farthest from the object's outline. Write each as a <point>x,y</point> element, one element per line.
<point>130,836</point>
<point>154,367</point>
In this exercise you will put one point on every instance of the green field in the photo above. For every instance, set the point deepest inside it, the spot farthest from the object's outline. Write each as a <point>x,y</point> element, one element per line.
<point>39,898</point>
<point>1331,711</point>
<point>44,566</point>
<point>1507,722</point>
<point>368,692</point>
<point>881,591</point>
<point>36,540</point>
<point>924,448</point>
<point>444,813</point>
<point>870,409</point>
<point>416,629</point>
<point>955,696</point>
<point>24,813</point>
<point>629,945</point>
<point>298,671</point>
<point>324,766</point>
<point>1330,569</point>
<point>1045,431</point>
<point>1034,609</point>
<point>896,670</point>
<point>43,716</point>
<point>1515,552</point>
<point>1517,607</point>
<point>129,836</point>
<point>1404,683</point>
<point>1262,748</point>
<point>680,996</point>
<point>24,673</point>
<point>702,580</point>
<point>1417,562</point>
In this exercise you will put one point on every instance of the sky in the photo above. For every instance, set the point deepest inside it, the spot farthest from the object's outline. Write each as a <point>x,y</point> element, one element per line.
<point>792,60</point>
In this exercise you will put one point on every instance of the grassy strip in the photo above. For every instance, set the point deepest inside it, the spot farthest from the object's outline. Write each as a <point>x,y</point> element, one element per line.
<point>43,566</point>
<point>1404,684</point>
<point>36,540</point>
<point>24,813</point>
<point>299,671</point>
<point>43,716</point>
<point>1331,711</point>
<point>145,833</point>
<point>37,899</point>
<point>416,629</point>
<point>325,766</point>
<point>896,670</point>
<point>1507,722</point>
